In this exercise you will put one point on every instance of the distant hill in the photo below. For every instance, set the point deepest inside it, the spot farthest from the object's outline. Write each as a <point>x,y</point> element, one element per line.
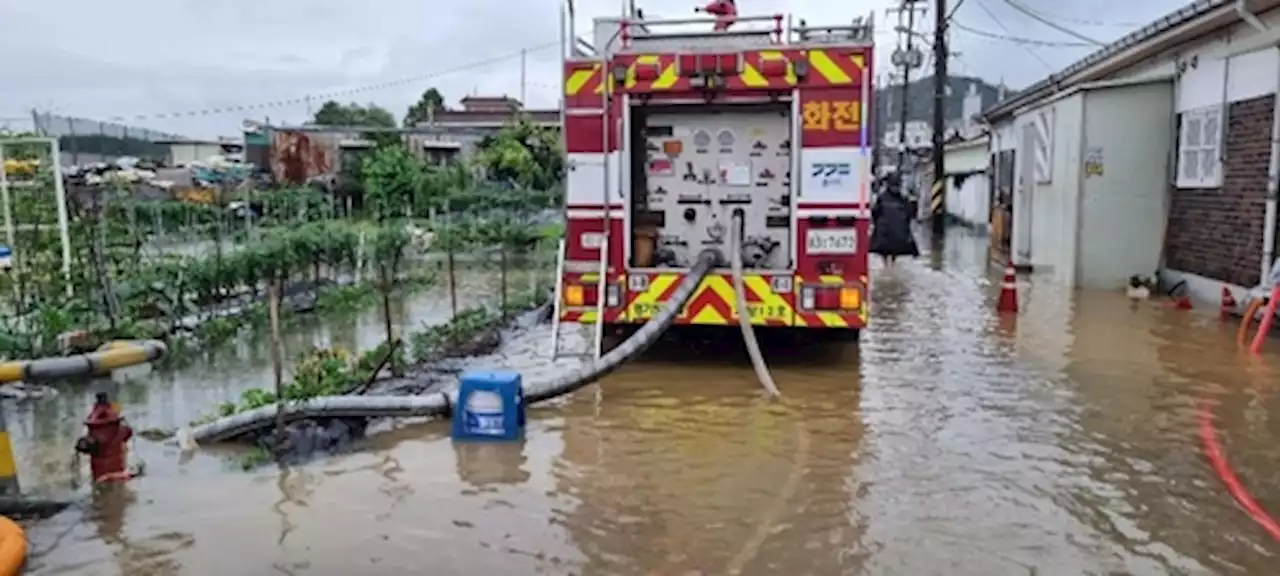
<point>920,99</point>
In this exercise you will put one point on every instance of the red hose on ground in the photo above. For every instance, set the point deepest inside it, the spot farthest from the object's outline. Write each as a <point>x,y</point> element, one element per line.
<point>1213,451</point>
<point>1268,318</point>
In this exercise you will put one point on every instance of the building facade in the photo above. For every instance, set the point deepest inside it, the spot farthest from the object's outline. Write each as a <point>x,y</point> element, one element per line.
<point>968,195</point>
<point>1155,153</point>
<point>301,154</point>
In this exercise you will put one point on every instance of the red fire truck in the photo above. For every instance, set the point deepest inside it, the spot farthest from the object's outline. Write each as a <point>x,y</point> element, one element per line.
<point>670,129</point>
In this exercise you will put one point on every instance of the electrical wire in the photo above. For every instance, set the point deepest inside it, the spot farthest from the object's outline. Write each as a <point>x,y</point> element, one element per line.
<point>994,18</point>
<point>336,93</point>
<point>1050,23</point>
<point>1082,21</point>
<point>1017,40</point>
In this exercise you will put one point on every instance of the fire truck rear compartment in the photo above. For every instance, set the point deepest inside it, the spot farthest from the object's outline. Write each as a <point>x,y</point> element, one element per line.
<point>694,166</point>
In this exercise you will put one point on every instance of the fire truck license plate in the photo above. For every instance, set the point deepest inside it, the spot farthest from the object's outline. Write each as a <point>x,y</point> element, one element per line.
<point>832,242</point>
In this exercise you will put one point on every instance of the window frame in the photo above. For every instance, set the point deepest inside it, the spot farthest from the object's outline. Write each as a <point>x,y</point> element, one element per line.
<point>1209,120</point>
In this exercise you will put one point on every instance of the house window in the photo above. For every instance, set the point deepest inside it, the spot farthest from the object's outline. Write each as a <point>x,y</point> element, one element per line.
<point>1200,148</point>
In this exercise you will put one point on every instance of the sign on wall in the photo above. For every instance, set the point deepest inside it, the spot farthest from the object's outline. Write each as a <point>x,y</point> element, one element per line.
<point>1093,164</point>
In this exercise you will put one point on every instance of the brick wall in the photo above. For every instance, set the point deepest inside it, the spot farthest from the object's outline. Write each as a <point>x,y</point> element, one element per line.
<point>1217,233</point>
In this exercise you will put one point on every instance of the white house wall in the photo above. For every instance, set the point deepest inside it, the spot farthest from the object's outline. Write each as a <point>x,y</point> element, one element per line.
<point>1047,240</point>
<point>967,157</point>
<point>968,202</point>
<point>1002,136</point>
<point>1236,39</point>
<point>1123,206</point>
<point>1251,69</point>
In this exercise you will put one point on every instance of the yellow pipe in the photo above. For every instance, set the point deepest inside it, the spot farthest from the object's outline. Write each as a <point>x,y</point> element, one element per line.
<point>112,356</point>
<point>122,357</point>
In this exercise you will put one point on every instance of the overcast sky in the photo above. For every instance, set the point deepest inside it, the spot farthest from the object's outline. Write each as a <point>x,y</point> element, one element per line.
<point>131,58</point>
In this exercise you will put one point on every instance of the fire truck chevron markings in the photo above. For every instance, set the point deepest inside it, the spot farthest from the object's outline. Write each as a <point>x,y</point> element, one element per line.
<point>578,80</point>
<point>824,65</point>
<point>752,77</point>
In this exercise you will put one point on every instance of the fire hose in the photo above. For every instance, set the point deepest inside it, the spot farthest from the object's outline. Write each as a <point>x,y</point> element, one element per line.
<point>439,404</point>
<point>744,319</point>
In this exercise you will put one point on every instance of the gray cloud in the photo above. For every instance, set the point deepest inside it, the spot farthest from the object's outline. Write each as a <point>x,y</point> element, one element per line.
<point>100,60</point>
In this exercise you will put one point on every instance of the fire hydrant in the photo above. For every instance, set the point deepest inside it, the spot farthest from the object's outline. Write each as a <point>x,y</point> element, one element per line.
<point>725,11</point>
<point>105,442</point>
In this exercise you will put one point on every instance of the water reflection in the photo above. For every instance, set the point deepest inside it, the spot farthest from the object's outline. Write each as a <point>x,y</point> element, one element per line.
<point>44,431</point>
<point>690,463</point>
<point>481,464</point>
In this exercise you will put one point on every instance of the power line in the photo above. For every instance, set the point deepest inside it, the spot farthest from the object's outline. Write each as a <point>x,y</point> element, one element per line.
<point>1018,40</point>
<point>301,100</point>
<point>1050,23</point>
<point>1082,21</point>
<point>994,18</point>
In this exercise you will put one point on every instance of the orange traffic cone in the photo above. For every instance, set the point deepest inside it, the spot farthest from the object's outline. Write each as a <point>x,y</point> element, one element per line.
<point>1008,301</point>
<point>1228,304</point>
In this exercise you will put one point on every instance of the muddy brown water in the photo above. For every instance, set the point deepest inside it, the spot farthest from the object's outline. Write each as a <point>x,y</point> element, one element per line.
<point>947,442</point>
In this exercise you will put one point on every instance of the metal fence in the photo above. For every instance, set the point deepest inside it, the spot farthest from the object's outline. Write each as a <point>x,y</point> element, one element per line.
<point>86,141</point>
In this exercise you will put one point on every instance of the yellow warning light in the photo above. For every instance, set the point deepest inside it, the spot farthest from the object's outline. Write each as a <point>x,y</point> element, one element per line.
<point>573,295</point>
<point>850,298</point>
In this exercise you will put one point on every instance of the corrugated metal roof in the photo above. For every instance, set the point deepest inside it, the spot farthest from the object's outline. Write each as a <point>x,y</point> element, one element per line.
<point>1146,33</point>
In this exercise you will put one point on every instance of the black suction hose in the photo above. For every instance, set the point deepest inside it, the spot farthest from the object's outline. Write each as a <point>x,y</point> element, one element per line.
<point>438,404</point>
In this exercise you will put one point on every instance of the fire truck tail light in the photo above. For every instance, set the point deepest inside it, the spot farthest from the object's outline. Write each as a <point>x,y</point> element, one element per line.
<point>850,298</point>
<point>575,295</point>
<point>827,298</point>
<point>830,298</point>
<point>588,294</point>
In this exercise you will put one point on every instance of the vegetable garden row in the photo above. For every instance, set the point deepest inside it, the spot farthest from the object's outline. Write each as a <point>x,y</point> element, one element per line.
<point>141,268</point>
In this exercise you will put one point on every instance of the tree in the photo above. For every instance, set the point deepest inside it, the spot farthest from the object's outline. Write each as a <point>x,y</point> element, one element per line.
<point>430,102</point>
<point>334,114</point>
<point>523,154</point>
<point>392,177</point>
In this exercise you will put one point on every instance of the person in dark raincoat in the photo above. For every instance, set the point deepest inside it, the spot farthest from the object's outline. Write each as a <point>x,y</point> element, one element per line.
<point>891,216</point>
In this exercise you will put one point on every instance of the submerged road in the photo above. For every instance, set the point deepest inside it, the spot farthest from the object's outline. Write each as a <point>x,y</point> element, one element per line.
<point>950,442</point>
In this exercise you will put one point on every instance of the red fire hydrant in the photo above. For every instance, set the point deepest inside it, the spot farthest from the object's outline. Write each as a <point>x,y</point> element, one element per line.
<point>105,442</point>
<point>725,11</point>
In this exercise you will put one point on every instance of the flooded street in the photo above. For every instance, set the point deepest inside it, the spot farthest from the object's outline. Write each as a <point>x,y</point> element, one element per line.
<point>947,442</point>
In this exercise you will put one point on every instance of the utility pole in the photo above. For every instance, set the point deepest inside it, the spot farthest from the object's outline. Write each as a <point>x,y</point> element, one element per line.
<point>906,59</point>
<point>938,198</point>
<point>524,69</point>
<point>909,33</point>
